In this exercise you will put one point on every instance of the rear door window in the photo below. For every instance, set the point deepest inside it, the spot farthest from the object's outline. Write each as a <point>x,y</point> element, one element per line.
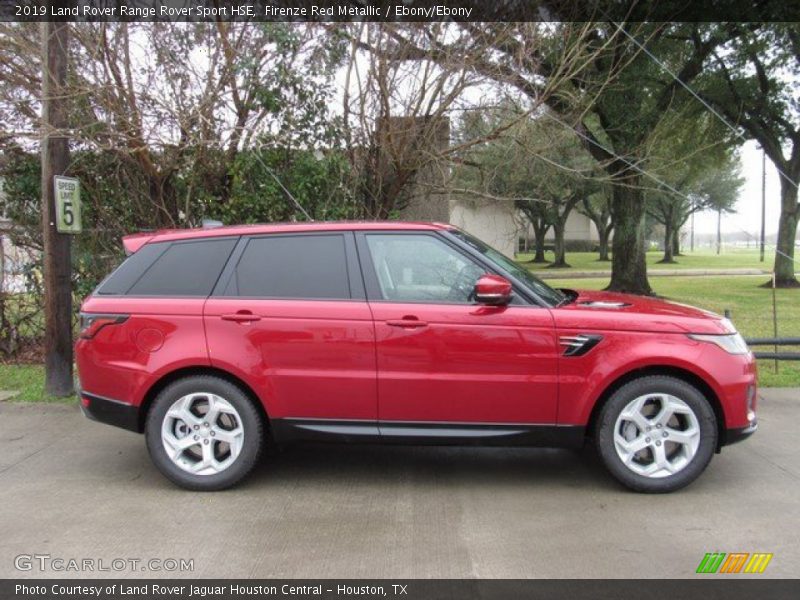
<point>298,266</point>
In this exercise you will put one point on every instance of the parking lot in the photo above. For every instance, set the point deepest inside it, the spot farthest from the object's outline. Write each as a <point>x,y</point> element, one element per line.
<point>70,488</point>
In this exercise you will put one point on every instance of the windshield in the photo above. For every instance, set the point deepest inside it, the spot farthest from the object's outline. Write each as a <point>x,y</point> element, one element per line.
<point>551,296</point>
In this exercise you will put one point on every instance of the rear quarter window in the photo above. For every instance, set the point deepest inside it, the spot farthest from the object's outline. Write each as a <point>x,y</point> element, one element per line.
<point>171,269</point>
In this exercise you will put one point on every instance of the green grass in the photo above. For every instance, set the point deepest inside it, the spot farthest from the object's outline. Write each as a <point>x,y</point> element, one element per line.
<point>737,258</point>
<point>29,381</point>
<point>750,306</point>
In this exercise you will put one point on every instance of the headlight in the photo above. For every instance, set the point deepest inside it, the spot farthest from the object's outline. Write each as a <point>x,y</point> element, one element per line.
<point>732,343</point>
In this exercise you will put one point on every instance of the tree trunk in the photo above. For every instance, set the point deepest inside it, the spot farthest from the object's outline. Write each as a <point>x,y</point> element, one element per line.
<point>539,232</point>
<point>603,233</point>
<point>560,261</point>
<point>787,234</point>
<point>629,267</point>
<point>538,257</point>
<point>668,248</point>
<point>676,242</point>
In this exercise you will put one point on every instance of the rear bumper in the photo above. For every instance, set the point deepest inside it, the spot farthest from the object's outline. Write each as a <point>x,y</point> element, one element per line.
<point>110,412</point>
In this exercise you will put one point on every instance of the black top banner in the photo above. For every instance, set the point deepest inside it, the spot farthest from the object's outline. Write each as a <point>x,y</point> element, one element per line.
<point>400,10</point>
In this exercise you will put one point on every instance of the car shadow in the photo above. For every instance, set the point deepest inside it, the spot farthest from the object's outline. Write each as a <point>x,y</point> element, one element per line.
<point>369,465</point>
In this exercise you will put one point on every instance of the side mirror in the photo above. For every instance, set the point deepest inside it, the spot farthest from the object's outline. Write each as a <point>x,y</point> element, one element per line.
<point>492,290</point>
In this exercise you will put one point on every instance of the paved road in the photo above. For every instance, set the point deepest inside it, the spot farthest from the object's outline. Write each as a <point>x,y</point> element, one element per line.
<point>76,489</point>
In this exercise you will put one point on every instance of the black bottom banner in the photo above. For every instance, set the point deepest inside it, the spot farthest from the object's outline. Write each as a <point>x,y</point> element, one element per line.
<point>406,589</point>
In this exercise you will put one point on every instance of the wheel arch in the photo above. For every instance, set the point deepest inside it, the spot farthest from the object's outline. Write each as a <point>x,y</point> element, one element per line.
<point>671,371</point>
<point>168,378</point>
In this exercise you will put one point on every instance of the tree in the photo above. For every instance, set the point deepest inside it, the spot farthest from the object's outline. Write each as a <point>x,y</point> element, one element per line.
<point>536,163</point>
<point>503,168</point>
<point>716,189</point>
<point>597,206</point>
<point>692,177</point>
<point>562,177</point>
<point>260,179</point>
<point>752,83</point>
<point>631,98</point>
<point>448,59</point>
<point>540,218</point>
<point>175,103</point>
<point>396,107</point>
<point>167,126</point>
<point>600,84</point>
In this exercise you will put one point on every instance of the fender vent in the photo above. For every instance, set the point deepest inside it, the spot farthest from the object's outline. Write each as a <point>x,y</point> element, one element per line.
<point>578,345</point>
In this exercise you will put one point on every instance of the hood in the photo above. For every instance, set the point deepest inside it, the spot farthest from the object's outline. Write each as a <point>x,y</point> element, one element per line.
<point>626,312</point>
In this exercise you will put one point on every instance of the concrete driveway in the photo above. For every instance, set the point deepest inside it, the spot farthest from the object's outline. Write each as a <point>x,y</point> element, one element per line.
<point>73,489</point>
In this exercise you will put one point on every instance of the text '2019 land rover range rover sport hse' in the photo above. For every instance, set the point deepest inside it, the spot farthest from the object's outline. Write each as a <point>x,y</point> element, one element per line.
<point>213,342</point>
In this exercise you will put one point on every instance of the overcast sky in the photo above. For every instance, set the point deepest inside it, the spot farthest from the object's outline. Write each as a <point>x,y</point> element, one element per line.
<point>748,215</point>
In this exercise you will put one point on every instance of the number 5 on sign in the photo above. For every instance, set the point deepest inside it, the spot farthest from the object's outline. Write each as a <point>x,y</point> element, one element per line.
<point>68,204</point>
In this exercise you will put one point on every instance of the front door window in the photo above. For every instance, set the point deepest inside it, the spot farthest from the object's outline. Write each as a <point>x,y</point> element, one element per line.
<point>421,268</point>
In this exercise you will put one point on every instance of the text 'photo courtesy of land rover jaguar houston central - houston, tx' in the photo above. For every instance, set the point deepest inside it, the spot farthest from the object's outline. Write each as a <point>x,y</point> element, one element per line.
<point>217,342</point>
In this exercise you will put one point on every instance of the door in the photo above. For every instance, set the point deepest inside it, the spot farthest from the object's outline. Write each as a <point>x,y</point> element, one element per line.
<point>289,315</point>
<point>441,357</point>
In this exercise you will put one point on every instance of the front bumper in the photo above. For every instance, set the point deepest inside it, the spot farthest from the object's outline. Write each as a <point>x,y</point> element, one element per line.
<point>733,436</point>
<point>110,412</point>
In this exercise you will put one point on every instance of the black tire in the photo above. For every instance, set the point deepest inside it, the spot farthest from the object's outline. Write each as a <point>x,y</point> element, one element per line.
<point>252,422</point>
<point>656,384</point>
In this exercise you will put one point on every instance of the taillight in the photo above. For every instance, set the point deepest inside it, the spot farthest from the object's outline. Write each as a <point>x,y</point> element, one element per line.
<point>91,324</point>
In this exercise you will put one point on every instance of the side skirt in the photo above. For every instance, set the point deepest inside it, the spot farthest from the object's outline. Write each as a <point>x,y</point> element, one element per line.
<point>291,430</point>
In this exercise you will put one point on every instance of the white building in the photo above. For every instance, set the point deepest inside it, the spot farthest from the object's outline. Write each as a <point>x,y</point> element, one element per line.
<point>502,226</point>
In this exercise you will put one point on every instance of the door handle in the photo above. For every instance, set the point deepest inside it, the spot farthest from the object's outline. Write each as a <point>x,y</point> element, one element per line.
<point>243,316</point>
<point>406,323</point>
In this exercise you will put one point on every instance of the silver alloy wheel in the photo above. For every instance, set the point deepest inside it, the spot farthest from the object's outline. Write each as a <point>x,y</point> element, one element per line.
<point>656,435</point>
<point>202,433</point>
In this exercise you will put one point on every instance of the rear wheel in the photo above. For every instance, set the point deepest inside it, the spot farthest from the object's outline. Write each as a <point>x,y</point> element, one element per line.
<point>203,433</point>
<point>656,434</point>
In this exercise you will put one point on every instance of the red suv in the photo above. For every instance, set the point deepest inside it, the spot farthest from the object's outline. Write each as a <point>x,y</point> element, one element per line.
<point>213,342</point>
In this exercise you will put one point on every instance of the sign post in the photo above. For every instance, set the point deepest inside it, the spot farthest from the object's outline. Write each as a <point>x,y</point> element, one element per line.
<point>67,192</point>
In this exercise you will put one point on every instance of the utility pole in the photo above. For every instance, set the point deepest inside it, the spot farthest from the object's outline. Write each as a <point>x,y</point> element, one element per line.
<point>692,237</point>
<point>57,260</point>
<point>2,269</point>
<point>719,230</point>
<point>763,200</point>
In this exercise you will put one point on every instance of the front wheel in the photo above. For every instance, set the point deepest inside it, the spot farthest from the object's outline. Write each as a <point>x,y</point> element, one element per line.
<point>203,433</point>
<point>656,434</point>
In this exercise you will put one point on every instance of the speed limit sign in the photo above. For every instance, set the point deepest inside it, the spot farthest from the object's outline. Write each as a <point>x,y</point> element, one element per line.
<point>68,204</point>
